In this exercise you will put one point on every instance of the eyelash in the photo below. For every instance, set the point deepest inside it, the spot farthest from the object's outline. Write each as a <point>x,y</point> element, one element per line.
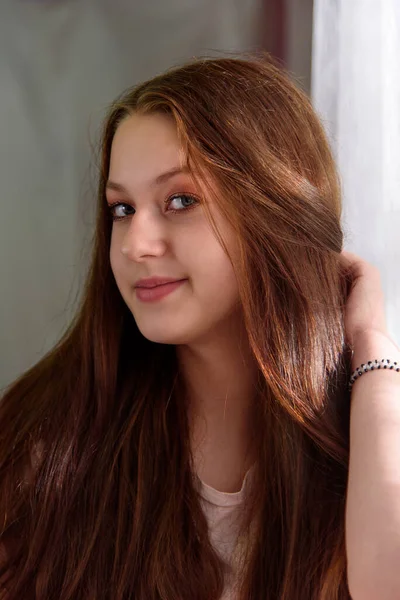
<point>166,202</point>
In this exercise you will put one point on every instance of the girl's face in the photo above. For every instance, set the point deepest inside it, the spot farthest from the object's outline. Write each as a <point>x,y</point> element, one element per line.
<point>161,230</point>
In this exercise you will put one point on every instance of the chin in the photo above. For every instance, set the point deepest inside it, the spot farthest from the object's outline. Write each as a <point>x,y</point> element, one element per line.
<point>175,332</point>
<point>164,335</point>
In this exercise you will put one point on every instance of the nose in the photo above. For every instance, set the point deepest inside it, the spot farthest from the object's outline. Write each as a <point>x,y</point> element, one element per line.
<point>145,237</point>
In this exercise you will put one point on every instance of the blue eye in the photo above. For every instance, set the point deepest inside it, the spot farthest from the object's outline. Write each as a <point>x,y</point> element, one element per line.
<point>184,197</point>
<point>121,207</point>
<point>122,210</point>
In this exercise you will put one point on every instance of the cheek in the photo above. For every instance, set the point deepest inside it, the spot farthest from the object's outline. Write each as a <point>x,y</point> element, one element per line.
<point>113,260</point>
<point>116,264</point>
<point>213,276</point>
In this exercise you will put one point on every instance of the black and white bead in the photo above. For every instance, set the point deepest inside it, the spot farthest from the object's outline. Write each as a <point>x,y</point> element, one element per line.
<point>371,365</point>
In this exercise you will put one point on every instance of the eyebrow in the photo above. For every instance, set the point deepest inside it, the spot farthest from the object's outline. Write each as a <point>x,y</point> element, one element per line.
<point>162,178</point>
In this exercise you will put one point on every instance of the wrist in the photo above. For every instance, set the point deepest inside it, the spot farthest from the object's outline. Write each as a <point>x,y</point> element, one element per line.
<point>373,344</point>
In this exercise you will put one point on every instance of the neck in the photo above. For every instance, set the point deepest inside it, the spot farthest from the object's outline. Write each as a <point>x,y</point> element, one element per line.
<point>220,376</point>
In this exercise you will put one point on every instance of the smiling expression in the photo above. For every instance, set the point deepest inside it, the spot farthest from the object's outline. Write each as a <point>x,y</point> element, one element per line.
<point>160,229</point>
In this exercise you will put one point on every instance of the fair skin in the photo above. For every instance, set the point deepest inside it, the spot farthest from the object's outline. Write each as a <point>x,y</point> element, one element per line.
<point>202,317</point>
<point>373,492</point>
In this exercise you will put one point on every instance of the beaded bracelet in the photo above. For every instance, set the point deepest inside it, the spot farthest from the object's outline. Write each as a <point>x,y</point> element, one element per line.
<point>370,366</point>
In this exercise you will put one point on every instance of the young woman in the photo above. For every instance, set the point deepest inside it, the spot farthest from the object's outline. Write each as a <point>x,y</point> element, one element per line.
<point>188,437</point>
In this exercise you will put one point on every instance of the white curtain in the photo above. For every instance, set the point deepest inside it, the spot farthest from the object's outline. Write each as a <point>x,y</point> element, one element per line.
<point>61,63</point>
<point>356,90</point>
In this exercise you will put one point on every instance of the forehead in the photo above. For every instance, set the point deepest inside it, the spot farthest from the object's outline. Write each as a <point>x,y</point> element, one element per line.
<point>146,144</point>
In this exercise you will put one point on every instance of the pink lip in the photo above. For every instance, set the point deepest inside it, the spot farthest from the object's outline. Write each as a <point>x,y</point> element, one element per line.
<point>151,282</point>
<point>154,293</point>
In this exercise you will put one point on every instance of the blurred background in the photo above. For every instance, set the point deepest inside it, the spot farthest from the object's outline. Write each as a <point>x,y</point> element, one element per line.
<point>63,61</point>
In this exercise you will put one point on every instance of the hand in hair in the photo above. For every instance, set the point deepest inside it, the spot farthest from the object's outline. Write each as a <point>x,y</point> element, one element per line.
<point>365,306</point>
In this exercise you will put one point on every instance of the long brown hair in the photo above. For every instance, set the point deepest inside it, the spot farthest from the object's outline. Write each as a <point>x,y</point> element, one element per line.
<point>97,491</point>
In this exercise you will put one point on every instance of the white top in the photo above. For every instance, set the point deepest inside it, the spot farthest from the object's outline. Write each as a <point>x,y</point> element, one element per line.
<point>222,510</point>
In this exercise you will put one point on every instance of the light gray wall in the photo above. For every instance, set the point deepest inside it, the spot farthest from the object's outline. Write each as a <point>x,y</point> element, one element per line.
<point>61,62</point>
<point>299,23</point>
